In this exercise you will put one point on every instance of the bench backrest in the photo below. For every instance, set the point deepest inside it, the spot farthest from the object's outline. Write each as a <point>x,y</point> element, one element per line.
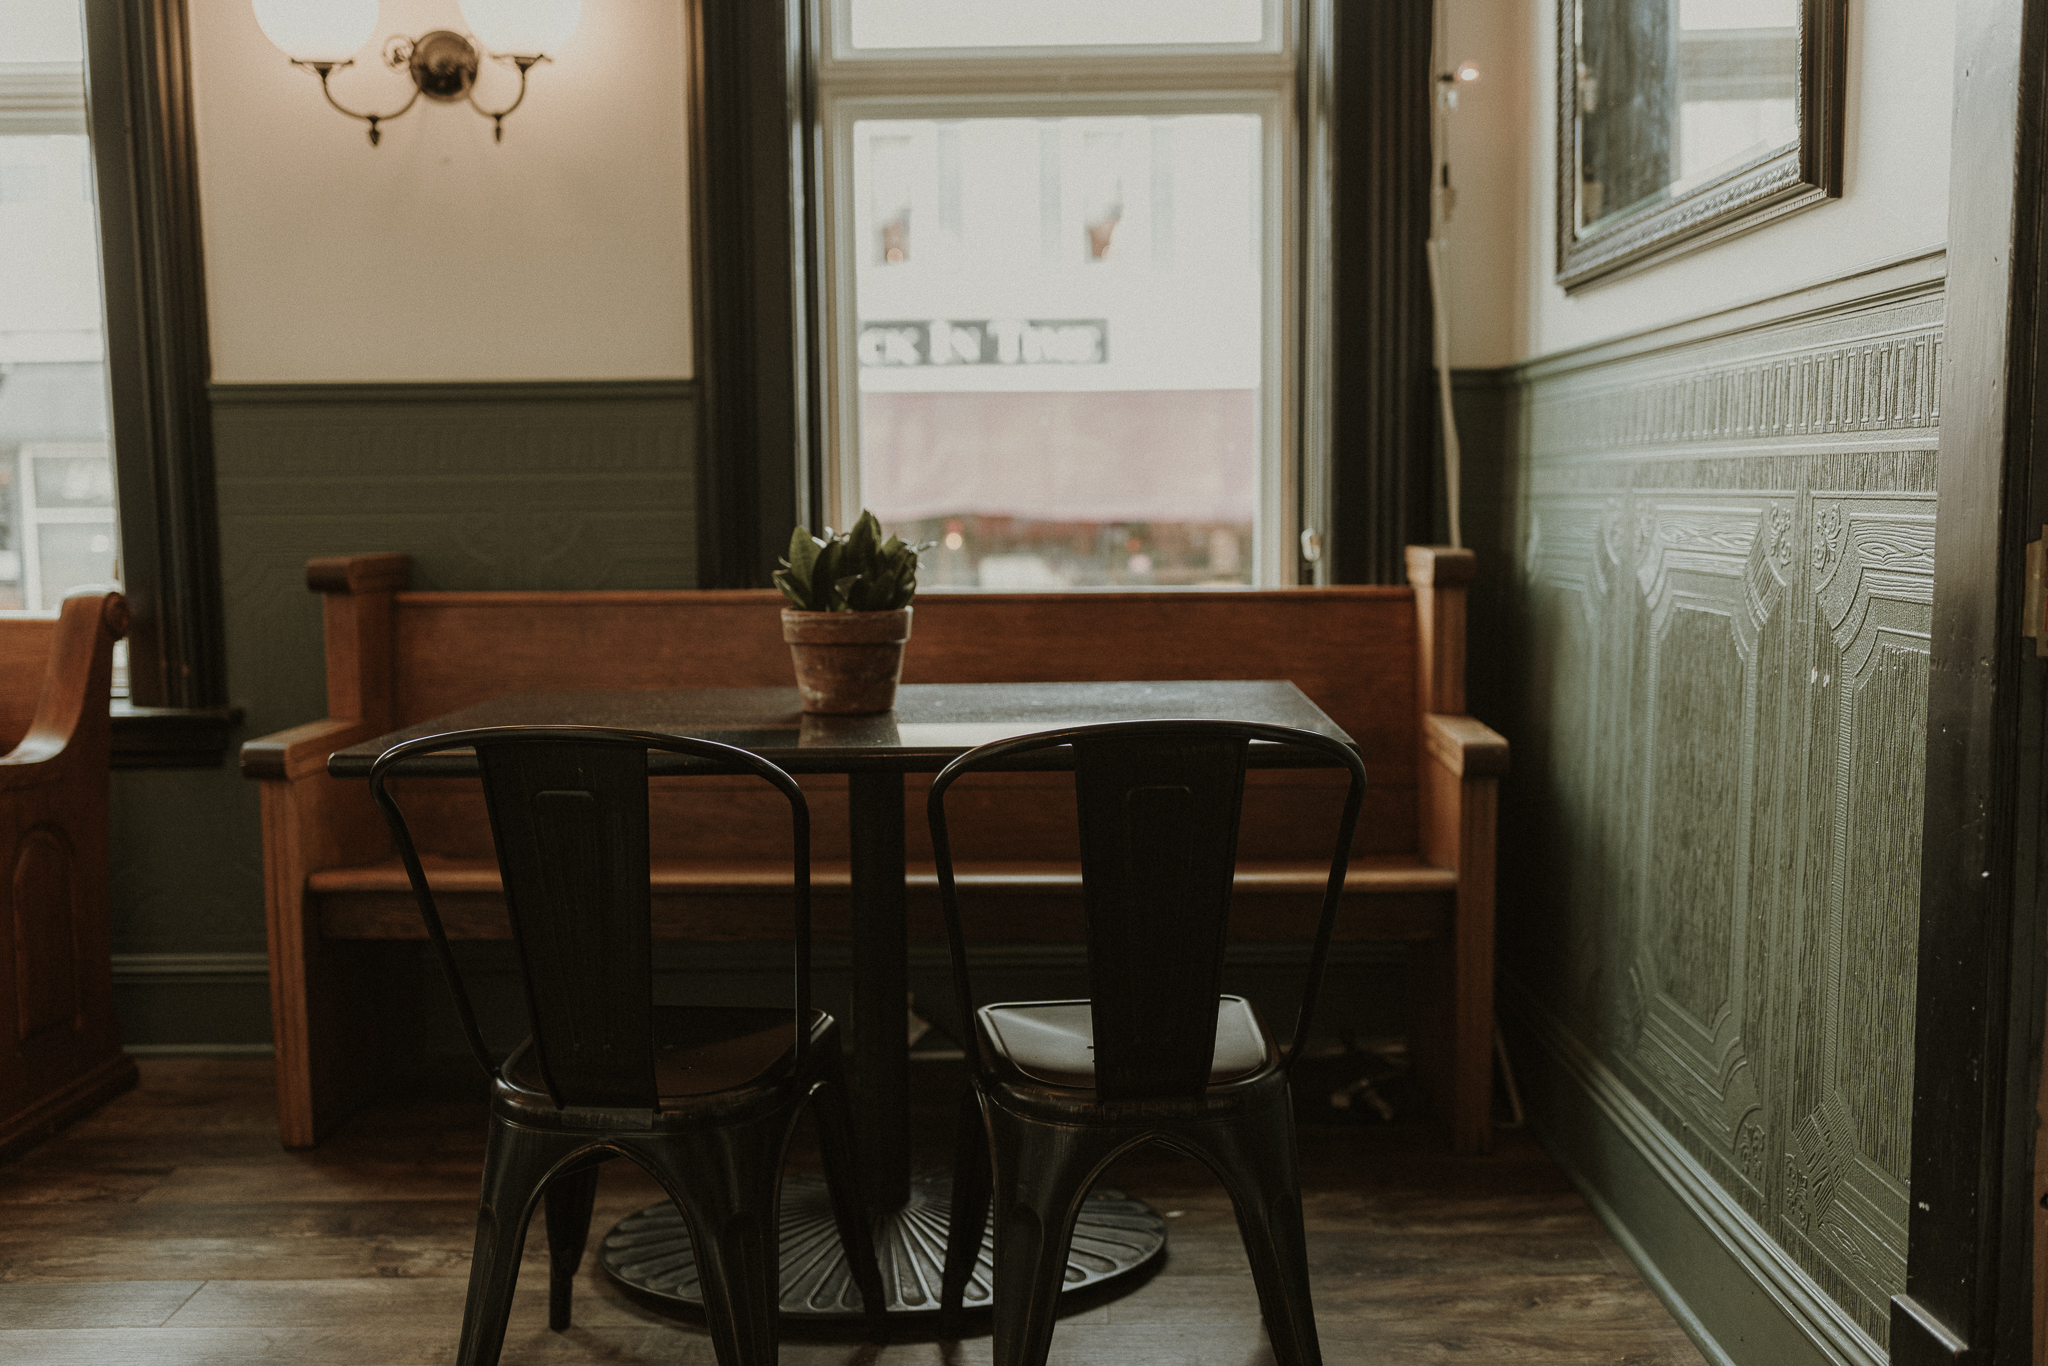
<point>1357,652</point>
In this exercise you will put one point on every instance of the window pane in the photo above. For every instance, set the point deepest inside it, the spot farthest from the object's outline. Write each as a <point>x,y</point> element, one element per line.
<point>1060,345</point>
<point>1055,23</point>
<point>57,527</point>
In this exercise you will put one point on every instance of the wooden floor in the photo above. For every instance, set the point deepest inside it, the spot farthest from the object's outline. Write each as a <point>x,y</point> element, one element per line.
<point>170,1228</point>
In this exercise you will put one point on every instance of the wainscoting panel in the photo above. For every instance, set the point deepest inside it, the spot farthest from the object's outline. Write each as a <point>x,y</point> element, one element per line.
<point>1718,554</point>
<point>487,486</point>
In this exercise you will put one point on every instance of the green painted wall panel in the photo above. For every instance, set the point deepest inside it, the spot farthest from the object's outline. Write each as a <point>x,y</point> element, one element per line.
<point>556,486</point>
<point>1711,578</point>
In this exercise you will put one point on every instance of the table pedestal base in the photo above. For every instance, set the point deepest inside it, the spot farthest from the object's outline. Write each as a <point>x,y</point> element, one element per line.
<point>649,1252</point>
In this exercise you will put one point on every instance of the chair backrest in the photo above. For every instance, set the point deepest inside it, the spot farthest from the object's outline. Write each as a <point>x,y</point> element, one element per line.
<point>568,813</point>
<point>1159,803</point>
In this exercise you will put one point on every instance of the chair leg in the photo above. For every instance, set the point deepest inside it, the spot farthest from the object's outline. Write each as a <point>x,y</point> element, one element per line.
<point>1040,1174</point>
<point>516,1162</point>
<point>1254,1155</point>
<point>969,1212</point>
<point>726,1183</point>
<point>842,1182</point>
<point>569,1201</point>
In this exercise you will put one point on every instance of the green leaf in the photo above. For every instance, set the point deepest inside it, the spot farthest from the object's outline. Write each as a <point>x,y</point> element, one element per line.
<point>825,572</point>
<point>803,553</point>
<point>861,570</point>
<point>792,590</point>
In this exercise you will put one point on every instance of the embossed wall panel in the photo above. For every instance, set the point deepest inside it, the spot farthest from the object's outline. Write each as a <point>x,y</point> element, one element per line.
<point>1722,558</point>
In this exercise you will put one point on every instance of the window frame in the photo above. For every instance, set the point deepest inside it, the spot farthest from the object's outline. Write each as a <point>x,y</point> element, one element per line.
<point>159,360</point>
<point>1261,80</point>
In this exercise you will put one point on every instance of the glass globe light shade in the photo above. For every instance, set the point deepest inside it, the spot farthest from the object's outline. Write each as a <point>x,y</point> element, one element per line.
<point>522,28</point>
<point>318,30</point>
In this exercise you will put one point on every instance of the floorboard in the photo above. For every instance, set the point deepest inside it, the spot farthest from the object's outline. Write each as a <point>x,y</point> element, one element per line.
<point>170,1228</point>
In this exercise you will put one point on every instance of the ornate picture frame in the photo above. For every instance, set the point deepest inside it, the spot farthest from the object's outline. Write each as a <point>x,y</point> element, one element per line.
<point>1747,195</point>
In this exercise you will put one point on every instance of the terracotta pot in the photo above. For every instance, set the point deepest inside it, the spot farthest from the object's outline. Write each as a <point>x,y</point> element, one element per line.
<point>847,662</point>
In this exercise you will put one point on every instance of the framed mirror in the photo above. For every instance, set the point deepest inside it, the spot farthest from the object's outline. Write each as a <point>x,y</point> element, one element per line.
<point>1683,122</point>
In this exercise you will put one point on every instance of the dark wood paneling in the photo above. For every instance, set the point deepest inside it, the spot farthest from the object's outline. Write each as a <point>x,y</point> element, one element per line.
<point>139,99</point>
<point>750,316</point>
<point>1382,425</point>
<point>1979,999</point>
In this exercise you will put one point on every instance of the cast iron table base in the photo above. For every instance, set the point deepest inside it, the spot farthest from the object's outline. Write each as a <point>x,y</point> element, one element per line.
<point>649,1253</point>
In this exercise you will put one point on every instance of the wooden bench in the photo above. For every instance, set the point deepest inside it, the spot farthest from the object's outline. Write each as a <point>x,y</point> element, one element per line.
<point>1387,664</point>
<point>63,1054</point>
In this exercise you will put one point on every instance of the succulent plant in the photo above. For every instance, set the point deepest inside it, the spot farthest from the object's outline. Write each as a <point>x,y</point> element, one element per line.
<point>851,571</point>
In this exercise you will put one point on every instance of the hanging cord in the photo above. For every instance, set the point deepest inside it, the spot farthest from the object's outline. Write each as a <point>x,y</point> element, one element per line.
<point>1442,200</point>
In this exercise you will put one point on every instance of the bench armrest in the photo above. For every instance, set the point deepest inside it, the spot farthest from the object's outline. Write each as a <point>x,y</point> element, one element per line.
<point>285,755</point>
<point>1468,748</point>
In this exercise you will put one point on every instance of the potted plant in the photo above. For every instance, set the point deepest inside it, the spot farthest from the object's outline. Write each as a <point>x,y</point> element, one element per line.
<point>849,615</point>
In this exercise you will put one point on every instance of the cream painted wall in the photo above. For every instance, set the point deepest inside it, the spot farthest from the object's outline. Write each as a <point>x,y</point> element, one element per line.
<point>1488,145</point>
<point>561,253</point>
<point>1894,202</point>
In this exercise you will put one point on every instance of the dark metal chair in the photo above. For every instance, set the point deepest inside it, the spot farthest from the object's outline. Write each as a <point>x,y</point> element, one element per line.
<point>704,1099</point>
<point>1156,1053</point>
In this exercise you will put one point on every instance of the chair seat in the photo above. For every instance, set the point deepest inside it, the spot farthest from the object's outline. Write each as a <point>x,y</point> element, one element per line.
<point>1054,1041</point>
<point>702,1050</point>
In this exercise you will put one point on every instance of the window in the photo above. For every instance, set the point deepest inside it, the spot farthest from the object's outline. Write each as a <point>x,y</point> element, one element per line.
<point>57,527</point>
<point>1057,287</point>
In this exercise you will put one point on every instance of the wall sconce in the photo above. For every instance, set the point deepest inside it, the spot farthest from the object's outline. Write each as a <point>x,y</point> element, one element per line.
<point>323,36</point>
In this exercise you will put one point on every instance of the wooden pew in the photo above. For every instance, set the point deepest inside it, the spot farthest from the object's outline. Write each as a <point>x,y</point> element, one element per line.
<point>1387,664</point>
<point>63,1053</point>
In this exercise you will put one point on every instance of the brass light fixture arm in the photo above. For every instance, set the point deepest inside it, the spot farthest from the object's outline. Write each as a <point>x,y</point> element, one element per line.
<point>497,116</point>
<point>324,69</point>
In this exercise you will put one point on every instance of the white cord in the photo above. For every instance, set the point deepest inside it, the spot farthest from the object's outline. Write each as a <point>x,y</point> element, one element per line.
<point>1442,91</point>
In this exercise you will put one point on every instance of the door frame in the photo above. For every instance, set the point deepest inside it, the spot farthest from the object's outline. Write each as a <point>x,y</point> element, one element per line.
<point>1979,1009</point>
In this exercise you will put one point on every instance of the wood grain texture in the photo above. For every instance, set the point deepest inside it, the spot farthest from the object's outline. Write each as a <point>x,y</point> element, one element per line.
<point>171,1228</point>
<point>1023,903</point>
<point>60,1046</point>
<point>409,657</point>
<point>333,1017</point>
<point>1439,575</point>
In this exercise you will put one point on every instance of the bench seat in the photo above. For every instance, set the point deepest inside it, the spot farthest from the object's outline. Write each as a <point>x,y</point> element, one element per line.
<point>1386,899</point>
<point>1386,663</point>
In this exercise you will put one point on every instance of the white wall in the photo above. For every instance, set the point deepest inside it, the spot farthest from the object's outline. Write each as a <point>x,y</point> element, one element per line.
<point>1894,201</point>
<point>561,253</point>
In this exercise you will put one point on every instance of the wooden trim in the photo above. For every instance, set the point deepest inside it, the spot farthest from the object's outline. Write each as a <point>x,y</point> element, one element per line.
<point>1979,997</point>
<point>1381,422</point>
<point>747,186</point>
<point>519,600</point>
<point>1464,747</point>
<point>444,392</point>
<point>1439,575</point>
<point>1451,980</point>
<point>385,573</point>
<point>172,737</point>
<point>139,98</point>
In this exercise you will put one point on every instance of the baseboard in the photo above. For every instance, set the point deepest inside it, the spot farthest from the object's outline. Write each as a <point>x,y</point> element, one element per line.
<point>186,1004</point>
<point>54,1111</point>
<point>1742,1299</point>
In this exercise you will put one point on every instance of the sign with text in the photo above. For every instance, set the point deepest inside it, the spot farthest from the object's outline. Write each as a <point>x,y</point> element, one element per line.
<point>986,341</point>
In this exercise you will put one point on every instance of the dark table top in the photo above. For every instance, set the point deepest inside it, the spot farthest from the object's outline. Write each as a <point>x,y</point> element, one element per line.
<point>932,722</point>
